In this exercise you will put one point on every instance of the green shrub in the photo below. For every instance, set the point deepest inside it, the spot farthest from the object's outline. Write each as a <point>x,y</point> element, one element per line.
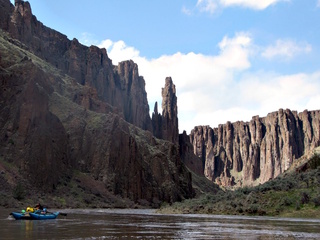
<point>252,209</point>
<point>316,201</point>
<point>279,208</point>
<point>305,198</point>
<point>19,192</point>
<point>246,190</point>
<point>11,141</point>
<point>298,206</point>
<point>286,201</point>
<point>314,162</point>
<point>239,209</point>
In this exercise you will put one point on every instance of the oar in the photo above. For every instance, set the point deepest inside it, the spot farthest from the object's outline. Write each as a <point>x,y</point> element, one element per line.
<point>60,213</point>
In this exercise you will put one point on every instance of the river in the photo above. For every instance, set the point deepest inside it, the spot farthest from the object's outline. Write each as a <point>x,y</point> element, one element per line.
<point>146,224</point>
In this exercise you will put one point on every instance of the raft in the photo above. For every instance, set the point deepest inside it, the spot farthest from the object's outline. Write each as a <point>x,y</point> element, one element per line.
<point>21,216</point>
<point>40,216</point>
<point>34,216</point>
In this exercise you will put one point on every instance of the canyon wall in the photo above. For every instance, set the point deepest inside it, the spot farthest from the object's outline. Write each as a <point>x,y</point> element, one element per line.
<point>66,108</point>
<point>120,86</point>
<point>250,153</point>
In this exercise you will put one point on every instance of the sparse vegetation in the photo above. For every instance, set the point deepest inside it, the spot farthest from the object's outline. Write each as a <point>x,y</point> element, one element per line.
<point>19,192</point>
<point>314,162</point>
<point>291,195</point>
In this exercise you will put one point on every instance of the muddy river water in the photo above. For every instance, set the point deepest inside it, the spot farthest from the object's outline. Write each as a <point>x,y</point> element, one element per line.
<point>146,224</point>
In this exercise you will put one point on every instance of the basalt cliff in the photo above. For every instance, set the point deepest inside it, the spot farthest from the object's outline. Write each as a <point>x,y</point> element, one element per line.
<point>250,153</point>
<point>68,116</point>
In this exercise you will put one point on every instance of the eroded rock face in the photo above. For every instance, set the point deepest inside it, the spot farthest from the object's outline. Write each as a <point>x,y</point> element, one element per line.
<point>165,126</point>
<point>170,112</point>
<point>119,86</point>
<point>157,122</point>
<point>192,161</point>
<point>65,107</point>
<point>134,97</point>
<point>32,137</point>
<point>249,153</point>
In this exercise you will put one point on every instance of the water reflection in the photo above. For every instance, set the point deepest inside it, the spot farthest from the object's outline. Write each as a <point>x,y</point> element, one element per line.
<point>146,224</point>
<point>27,228</point>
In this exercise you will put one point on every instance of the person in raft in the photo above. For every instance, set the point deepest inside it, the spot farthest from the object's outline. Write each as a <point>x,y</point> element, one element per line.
<point>38,207</point>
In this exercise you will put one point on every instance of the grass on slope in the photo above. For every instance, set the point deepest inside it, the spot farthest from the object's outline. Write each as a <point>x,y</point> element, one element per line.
<point>289,195</point>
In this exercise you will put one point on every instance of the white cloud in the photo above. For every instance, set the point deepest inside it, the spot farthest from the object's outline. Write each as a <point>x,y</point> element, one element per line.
<point>207,5</point>
<point>186,10</point>
<point>272,91</point>
<point>253,4</point>
<point>212,90</point>
<point>235,52</point>
<point>286,49</point>
<point>119,51</point>
<point>318,3</point>
<point>211,6</point>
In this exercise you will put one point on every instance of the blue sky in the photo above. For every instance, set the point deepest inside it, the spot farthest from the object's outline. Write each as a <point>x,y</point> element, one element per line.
<point>229,59</point>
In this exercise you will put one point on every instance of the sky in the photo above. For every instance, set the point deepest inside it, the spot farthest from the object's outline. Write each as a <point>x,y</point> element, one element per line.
<point>230,60</point>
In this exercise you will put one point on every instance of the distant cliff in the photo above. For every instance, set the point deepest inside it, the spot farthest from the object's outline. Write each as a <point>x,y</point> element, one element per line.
<point>65,107</point>
<point>249,153</point>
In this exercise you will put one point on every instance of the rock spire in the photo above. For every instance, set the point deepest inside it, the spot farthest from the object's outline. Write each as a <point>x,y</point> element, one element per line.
<point>165,126</point>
